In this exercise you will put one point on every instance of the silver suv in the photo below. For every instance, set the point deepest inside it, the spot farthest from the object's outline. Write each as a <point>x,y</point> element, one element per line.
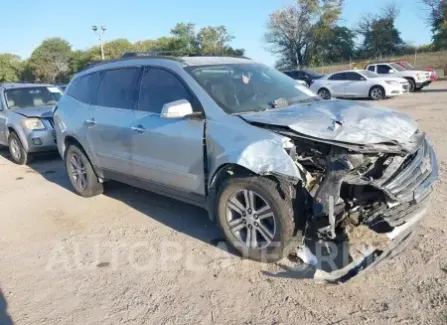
<point>26,119</point>
<point>273,164</point>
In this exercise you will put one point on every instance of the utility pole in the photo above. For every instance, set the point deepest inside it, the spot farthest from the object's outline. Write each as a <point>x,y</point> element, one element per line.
<point>100,32</point>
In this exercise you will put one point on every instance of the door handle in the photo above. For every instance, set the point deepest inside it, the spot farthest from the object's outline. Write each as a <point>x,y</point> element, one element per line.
<point>90,122</point>
<point>138,129</point>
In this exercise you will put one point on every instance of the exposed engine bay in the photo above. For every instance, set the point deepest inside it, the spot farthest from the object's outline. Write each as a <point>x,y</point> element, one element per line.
<point>364,195</point>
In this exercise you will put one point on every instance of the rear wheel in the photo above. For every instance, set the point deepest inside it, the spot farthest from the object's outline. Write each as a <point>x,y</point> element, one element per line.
<point>256,218</point>
<point>16,149</point>
<point>377,93</point>
<point>81,173</point>
<point>324,93</point>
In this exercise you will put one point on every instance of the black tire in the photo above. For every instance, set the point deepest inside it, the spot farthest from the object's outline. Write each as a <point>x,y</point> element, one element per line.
<point>412,84</point>
<point>324,93</point>
<point>377,93</point>
<point>283,216</point>
<point>91,186</point>
<point>17,151</point>
<point>418,89</point>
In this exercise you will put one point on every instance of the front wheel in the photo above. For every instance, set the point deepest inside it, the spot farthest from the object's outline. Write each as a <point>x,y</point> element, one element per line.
<point>17,151</point>
<point>257,219</point>
<point>377,93</point>
<point>81,173</point>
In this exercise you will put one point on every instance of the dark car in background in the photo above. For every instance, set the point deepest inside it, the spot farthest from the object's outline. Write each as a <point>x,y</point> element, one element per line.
<point>306,75</point>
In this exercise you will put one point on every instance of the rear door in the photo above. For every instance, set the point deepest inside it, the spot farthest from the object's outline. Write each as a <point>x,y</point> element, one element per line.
<point>356,85</point>
<point>337,84</point>
<point>111,119</point>
<point>167,152</point>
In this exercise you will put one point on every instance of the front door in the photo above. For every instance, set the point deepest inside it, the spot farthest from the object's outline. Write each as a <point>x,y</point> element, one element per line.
<point>167,152</point>
<point>111,117</point>
<point>337,84</point>
<point>356,85</point>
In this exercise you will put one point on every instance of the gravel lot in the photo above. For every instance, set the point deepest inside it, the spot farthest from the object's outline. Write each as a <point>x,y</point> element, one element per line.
<point>130,256</point>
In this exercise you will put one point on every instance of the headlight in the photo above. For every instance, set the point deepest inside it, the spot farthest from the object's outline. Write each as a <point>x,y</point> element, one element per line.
<point>392,82</point>
<point>33,124</point>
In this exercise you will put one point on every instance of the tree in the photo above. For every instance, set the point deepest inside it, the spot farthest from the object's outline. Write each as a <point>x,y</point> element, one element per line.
<point>10,67</point>
<point>336,45</point>
<point>79,60</point>
<point>380,35</point>
<point>185,35</point>
<point>50,60</point>
<point>295,31</point>
<point>438,21</point>
<point>112,50</point>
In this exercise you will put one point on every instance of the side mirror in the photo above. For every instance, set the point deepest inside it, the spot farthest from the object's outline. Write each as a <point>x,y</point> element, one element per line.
<point>391,71</point>
<point>176,109</point>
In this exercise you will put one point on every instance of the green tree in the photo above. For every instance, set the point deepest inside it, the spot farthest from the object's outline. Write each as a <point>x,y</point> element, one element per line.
<point>79,60</point>
<point>380,35</point>
<point>295,31</point>
<point>10,67</point>
<point>438,22</point>
<point>185,36</point>
<point>49,62</point>
<point>112,50</point>
<point>336,45</point>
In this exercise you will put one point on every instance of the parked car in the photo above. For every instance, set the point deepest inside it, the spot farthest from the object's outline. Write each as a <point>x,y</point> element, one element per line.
<point>26,119</point>
<point>270,161</point>
<point>305,75</point>
<point>359,84</point>
<point>62,87</point>
<point>418,79</point>
<point>407,65</point>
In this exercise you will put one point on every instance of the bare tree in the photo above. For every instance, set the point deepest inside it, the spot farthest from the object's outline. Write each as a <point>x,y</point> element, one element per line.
<point>292,31</point>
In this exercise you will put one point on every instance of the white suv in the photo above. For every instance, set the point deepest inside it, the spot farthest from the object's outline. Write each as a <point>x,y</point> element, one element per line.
<point>418,79</point>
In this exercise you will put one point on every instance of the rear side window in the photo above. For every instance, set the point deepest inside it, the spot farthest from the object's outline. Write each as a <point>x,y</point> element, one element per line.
<point>338,76</point>
<point>159,87</point>
<point>84,88</point>
<point>383,69</point>
<point>118,88</point>
<point>371,68</point>
<point>353,76</point>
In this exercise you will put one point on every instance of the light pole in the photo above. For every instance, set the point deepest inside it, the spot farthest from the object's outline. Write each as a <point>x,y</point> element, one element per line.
<point>100,32</point>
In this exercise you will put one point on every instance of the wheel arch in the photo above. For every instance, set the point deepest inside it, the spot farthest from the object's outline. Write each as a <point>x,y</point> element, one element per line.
<point>10,128</point>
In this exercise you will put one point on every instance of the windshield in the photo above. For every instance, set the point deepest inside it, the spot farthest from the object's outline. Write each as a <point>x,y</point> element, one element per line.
<point>241,88</point>
<point>397,67</point>
<point>32,97</point>
<point>369,74</point>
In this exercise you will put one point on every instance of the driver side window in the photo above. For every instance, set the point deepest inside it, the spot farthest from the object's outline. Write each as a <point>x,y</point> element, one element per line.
<point>383,69</point>
<point>1,105</point>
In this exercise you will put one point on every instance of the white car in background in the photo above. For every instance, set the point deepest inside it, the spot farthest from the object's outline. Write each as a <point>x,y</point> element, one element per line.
<point>359,84</point>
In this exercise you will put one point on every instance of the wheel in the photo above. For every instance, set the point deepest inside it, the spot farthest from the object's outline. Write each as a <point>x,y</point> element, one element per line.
<point>376,93</point>
<point>418,88</point>
<point>18,153</point>
<point>324,93</point>
<point>256,219</point>
<point>81,173</point>
<point>412,85</point>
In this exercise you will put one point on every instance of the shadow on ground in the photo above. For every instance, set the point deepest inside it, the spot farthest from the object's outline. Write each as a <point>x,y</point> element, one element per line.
<point>433,91</point>
<point>4,317</point>
<point>181,217</point>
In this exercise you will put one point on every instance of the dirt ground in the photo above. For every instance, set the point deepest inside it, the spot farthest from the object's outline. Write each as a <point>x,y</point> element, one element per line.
<point>130,256</point>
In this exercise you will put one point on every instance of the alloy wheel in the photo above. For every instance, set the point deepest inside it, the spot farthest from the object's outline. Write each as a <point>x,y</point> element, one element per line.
<point>15,149</point>
<point>250,219</point>
<point>78,172</point>
<point>377,93</point>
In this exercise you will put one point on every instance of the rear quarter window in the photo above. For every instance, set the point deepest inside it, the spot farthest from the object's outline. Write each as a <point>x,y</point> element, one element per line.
<point>84,88</point>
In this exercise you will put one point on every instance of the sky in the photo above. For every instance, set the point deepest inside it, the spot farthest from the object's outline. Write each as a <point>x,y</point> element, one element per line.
<point>24,24</point>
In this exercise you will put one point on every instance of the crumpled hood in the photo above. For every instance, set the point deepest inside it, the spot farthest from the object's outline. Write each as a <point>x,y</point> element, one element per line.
<point>340,120</point>
<point>40,112</point>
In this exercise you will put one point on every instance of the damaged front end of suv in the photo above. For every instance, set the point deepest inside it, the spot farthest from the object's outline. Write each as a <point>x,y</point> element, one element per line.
<point>363,200</point>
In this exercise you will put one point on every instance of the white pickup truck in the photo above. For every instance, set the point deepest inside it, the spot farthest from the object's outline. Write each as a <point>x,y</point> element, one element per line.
<point>418,79</point>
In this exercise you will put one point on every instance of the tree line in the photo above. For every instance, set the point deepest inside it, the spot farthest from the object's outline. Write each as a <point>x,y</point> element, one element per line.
<point>54,60</point>
<point>304,33</point>
<point>309,33</point>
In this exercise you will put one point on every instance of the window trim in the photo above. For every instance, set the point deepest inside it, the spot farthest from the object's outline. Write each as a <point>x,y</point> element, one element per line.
<point>137,85</point>
<point>196,104</point>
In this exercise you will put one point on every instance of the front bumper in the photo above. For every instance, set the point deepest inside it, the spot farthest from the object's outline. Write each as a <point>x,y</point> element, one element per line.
<point>408,185</point>
<point>395,90</point>
<point>42,140</point>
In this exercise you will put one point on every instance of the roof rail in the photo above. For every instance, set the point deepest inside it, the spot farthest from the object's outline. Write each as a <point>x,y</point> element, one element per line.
<point>172,54</point>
